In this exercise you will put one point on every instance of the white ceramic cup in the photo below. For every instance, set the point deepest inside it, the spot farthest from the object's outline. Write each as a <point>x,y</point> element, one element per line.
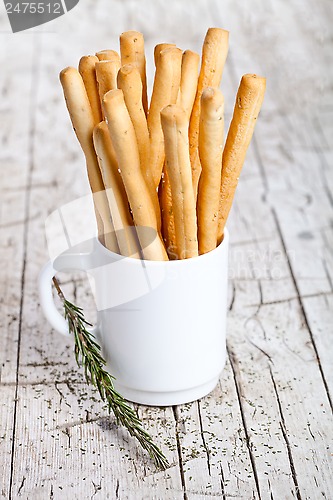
<point>161,325</point>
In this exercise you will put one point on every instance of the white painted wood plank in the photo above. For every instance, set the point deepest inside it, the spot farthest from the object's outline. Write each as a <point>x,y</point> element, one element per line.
<point>215,457</point>
<point>270,348</point>
<point>69,448</point>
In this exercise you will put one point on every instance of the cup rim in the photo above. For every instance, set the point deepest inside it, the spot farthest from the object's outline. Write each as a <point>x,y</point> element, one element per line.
<point>117,256</point>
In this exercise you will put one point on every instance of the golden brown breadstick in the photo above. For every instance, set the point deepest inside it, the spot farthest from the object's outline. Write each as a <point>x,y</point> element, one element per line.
<point>125,145</point>
<point>189,81</point>
<point>116,194</point>
<point>158,49</point>
<point>132,50</point>
<point>211,131</point>
<point>83,123</point>
<point>106,74</point>
<point>165,91</point>
<point>168,220</point>
<point>164,190</point>
<point>214,54</point>
<point>165,197</point>
<point>88,73</point>
<point>249,99</point>
<point>175,130</point>
<point>108,55</point>
<point>129,82</point>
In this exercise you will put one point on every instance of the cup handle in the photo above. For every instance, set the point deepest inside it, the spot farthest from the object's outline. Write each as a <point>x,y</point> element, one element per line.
<point>70,263</point>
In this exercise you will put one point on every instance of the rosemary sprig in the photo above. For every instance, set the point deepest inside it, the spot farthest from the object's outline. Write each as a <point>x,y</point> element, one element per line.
<point>88,354</point>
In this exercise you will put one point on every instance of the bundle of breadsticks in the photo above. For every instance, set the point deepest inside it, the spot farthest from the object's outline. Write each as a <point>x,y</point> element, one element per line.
<point>163,178</point>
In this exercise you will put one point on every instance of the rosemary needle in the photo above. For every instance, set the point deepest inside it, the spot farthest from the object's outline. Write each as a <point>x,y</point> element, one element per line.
<point>88,355</point>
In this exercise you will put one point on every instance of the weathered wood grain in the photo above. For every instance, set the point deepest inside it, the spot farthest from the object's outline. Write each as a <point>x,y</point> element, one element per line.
<point>70,448</point>
<point>287,422</point>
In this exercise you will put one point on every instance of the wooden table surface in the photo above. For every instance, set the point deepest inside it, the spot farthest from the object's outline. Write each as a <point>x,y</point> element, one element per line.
<point>266,430</point>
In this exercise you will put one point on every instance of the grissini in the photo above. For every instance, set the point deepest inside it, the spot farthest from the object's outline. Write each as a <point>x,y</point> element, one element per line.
<point>125,145</point>
<point>189,81</point>
<point>88,73</point>
<point>249,99</point>
<point>186,96</point>
<point>165,197</point>
<point>158,49</point>
<point>132,50</point>
<point>164,187</point>
<point>81,115</point>
<point>108,55</point>
<point>115,191</point>
<point>165,91</point>
<point>106,74</point>
<point>164,190</point>
<point>211,130</point>
<point>129,82</point>
<point>167,214</point>
<point>214,54</point>
<point>175,130</point>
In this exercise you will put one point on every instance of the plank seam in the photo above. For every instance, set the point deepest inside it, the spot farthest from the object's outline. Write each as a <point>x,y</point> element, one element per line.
<point>285,437</point>
<point>203,438</point>
<point>247,437</point>
<point>179,451</point>
<point>222,482</point>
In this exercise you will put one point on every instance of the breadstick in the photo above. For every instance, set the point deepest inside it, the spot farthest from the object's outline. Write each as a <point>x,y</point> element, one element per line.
<point>106,74</point>
<point>132,51</point>
<point>214,54</point>
<point>108,55</point>
<point>189,81</point>
<point>88,73</point>
<point>158,49</point>
<point>164,190</point>
<point>125,145</point>
<point>129,82</point>
<point>175,129</point>
<point>83,123</point>
<point>168,219</point>
<point>115,191</point>
<point>211,131</point>
<point>165,198</point>
<point>165,91</point>
<point>249,99</point>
